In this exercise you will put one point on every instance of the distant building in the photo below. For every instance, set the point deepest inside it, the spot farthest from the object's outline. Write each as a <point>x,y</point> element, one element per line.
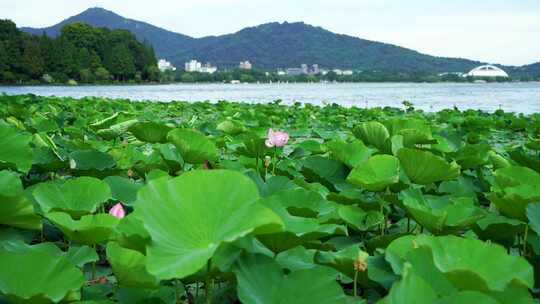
<point>487,71</point>
<point>295,71</point>
<point>164,65</point>
<point>304,68</point>
<point>343,72</point>
<point>193,66</point>
<point>245,65</point>
<point>196,66</point>
<point>315,69</point>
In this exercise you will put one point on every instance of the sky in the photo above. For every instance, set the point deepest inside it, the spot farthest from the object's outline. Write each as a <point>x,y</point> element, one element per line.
<point>494,31</point>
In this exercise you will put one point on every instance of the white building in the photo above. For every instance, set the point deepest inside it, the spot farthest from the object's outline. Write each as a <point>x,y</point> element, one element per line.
<point>193,66</point>
<point>487,71</point>
<point>245,65</point>
<point>164,65</point>
<point>196,66</point>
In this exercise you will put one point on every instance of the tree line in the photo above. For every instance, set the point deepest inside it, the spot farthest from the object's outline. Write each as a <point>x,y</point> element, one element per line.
<point>253,76</point>
<point>81,53</point>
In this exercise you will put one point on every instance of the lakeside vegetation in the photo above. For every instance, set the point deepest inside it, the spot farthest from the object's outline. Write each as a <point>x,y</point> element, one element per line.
<point>81,53</point>
<point>113,201</point>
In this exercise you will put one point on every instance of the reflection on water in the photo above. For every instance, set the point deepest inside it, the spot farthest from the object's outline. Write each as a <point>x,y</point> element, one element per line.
<point>517,97</point>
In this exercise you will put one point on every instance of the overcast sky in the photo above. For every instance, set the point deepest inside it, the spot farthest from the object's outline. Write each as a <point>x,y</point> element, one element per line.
<point>496,31</point>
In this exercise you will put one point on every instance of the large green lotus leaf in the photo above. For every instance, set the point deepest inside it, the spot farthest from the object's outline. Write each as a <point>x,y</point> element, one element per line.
<point>81,255</point>
<point>372,133</point>
<point>465,297</point>
<point>123,189</point>
<point>132,234</point>
<point>499,229</point>
<point>194,147</point>
<point>15,209</point>
<point>129,267</point>
<point>471,156</point>
<point>359,219</point>
<point>513,201</point>
<point>331,173</point>
<point>440,214</point>
<point>231,127</point>
<point>375,174</point>
<point>525,159</point>
<point>189,216</point>
<point>91,160</point>
<point>297,258</point>
<point>271,185</point>
<point>414,131</point>
<point>261,280</point>
<point>15,148</point>
<point>515,176</point>
<point>411,289</point>
<point>151,132</point>
<point>77,196</point>
<point>351,154</point>
<point>468,263</point>
<point>89,230</point>
<point>424,167</point>
<point>38,274</point>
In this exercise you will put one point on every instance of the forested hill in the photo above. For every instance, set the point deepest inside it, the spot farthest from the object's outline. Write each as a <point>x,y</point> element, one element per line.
<point>80,52</point>
<point>270,46</point>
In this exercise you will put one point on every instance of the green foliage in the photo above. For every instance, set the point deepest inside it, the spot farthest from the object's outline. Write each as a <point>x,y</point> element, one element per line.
<point>375,205</point>
<point>81,52</point>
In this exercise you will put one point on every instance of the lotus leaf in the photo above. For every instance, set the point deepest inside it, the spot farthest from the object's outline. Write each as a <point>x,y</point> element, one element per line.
<point>375,174</point>
<point>424,167</point>
<point>89,230</point>
<point>129,267</point>
<point>151,132</point>
<point>188,217</point>
<point>77,196</point>
<point>372,133</point>
<point>15,209</point>
<point>15,148</point>
<point>194,147</point>
<point>261,280</point>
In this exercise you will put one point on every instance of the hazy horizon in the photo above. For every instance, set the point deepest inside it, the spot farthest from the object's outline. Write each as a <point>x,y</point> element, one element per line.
<point>504,33</point>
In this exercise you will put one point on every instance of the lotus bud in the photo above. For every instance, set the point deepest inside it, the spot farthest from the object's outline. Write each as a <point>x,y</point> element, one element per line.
<point>267,162</point>
<point>117,211</point>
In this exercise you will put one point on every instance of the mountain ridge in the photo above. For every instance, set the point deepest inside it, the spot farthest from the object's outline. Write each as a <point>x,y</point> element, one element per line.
<point>275,45</point>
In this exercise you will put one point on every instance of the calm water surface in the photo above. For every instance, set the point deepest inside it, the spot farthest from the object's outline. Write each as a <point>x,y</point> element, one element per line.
<point>516,97</point>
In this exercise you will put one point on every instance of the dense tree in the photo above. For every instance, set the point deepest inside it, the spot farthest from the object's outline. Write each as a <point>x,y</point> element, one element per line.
<point>81,52</point>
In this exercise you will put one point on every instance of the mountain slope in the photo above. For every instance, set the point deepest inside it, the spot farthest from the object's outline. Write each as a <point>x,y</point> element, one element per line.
<point>165,42</point>
<point>276,45</point>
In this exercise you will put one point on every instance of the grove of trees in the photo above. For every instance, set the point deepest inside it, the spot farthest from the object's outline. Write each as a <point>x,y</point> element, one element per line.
<point>81,52</point>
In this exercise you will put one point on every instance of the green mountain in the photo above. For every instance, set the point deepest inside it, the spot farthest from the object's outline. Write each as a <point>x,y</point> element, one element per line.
<point>276,45</point>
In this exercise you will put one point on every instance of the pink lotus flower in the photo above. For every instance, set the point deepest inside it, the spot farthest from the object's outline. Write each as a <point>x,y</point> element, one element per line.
<point>117,211</point>
<point>276,139</point>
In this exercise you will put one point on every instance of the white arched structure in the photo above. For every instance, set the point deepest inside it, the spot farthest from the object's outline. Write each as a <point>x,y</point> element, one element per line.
<point>487,71</point>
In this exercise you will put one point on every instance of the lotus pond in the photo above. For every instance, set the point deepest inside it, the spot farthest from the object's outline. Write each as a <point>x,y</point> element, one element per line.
<point>112,201</point>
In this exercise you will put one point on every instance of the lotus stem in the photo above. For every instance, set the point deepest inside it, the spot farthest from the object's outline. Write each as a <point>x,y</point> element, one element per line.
<point>274,161</point>
<point>408,224</point>
<point>525,239</point>
<point>207,285</point>
<point>355,284</point>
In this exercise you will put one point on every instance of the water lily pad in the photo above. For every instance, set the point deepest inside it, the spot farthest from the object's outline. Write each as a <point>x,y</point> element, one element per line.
<point>188,217</point>
<point>375,174</point>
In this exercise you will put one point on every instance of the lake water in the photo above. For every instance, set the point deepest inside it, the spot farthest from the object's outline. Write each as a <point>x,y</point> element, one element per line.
<point>516,97</point>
